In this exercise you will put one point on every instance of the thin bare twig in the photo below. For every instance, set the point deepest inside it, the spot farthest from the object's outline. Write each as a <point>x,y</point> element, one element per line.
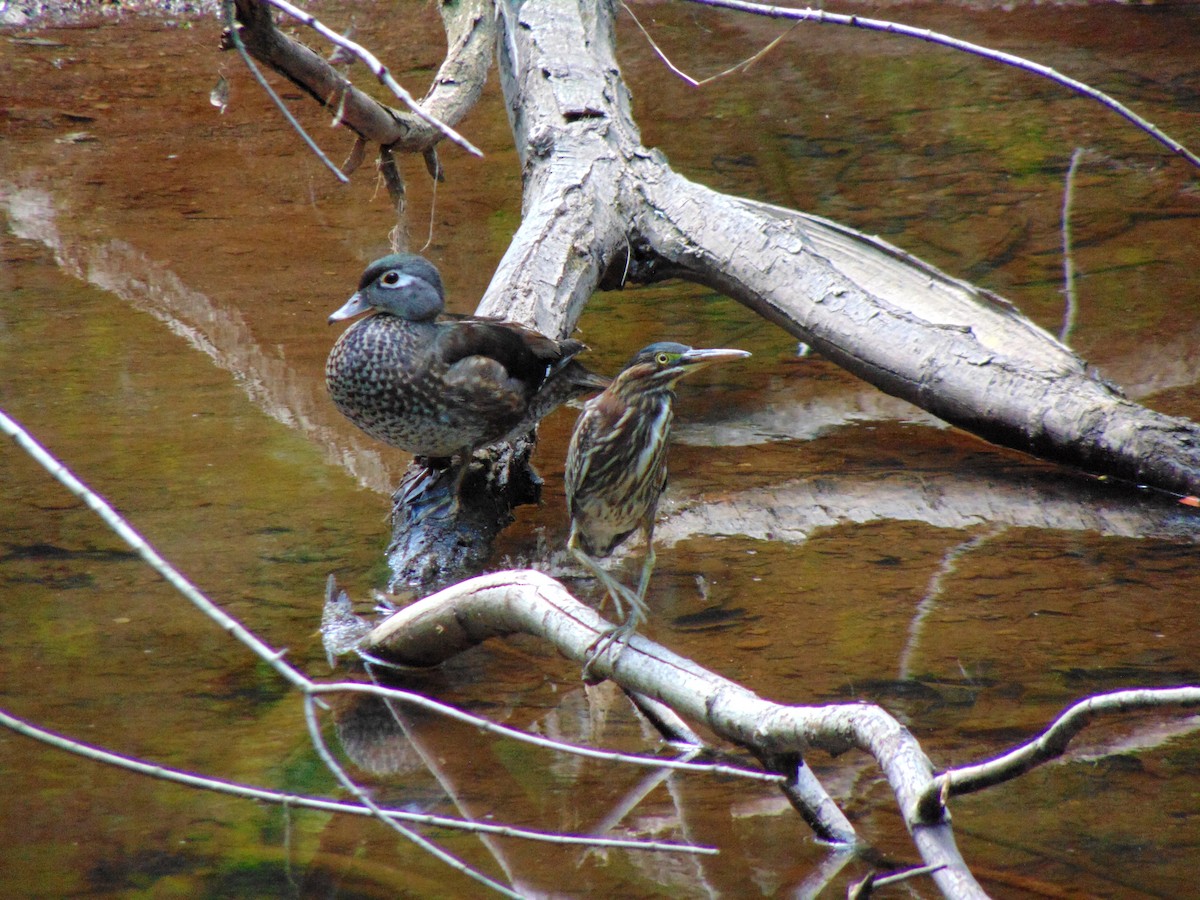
<point>327,757</point>
<point>419,700</point>
<point>744,65</point>
<point>149,555</point>
<point>633,797</point>
<point>289,801</point>
<point>377,68</point>
<point>432,215</point>
<point>1052,742</point>
<point>1069,308</point>
<point>236,39</point>
<point>435,765</point>
<point>863,889</point>
<point>933,37</point>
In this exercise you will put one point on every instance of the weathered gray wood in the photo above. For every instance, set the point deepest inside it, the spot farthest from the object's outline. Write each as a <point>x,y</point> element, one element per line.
<point>602,211</point>
<point>455,89</point>
<point>440,626</point>
<point>958,352</point>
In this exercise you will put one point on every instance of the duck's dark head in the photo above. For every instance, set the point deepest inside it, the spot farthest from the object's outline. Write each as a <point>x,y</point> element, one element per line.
<point>403,285</point>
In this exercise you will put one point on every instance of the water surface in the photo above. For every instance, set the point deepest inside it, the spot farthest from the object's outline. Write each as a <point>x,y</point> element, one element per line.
<point>166,274</point>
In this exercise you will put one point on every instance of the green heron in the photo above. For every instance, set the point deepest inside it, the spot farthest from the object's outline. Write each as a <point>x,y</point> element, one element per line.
<point>438,385</point>
<point>617,465</point>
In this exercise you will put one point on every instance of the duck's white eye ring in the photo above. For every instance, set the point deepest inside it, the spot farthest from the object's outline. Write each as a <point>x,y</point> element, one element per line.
<point>390,278</point>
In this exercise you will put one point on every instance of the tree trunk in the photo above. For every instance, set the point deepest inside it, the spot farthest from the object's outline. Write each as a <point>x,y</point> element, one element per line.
<point>598,204</point>
<point>601,211</point>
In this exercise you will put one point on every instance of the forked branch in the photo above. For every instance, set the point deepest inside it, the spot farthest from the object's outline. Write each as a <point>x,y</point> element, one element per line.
<point>456,87</point>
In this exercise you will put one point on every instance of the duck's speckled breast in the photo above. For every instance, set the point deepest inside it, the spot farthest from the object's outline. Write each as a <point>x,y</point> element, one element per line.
<point>385,375</point>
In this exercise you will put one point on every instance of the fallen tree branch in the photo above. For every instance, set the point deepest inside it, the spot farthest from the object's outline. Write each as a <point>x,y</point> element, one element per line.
<point>455,88</point>
<point>743,66</point>
<point>1052,742</point>
<point>442,625</point>
<point>447,623</point>
<point>236,42</point>
<point>601,210</point>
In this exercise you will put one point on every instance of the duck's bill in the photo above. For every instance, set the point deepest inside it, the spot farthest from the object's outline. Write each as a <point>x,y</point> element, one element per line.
<point>352,307</point>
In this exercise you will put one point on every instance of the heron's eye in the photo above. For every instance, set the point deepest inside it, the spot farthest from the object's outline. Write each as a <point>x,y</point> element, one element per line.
<point>663,358</point>
<point>390,278</point>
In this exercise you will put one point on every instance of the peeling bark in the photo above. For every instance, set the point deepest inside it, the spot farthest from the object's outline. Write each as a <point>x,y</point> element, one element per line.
<point>602,210</point>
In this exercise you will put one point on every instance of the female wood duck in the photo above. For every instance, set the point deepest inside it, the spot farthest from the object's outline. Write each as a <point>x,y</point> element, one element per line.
<point>435,384</point>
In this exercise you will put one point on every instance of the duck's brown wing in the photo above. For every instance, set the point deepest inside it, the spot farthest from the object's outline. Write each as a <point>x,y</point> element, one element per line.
<point>523,351</point>
<point>511,374</point>
<point>492,369</point>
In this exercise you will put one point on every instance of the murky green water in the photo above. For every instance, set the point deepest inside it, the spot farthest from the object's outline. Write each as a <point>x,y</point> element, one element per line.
<point>166,273</point>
